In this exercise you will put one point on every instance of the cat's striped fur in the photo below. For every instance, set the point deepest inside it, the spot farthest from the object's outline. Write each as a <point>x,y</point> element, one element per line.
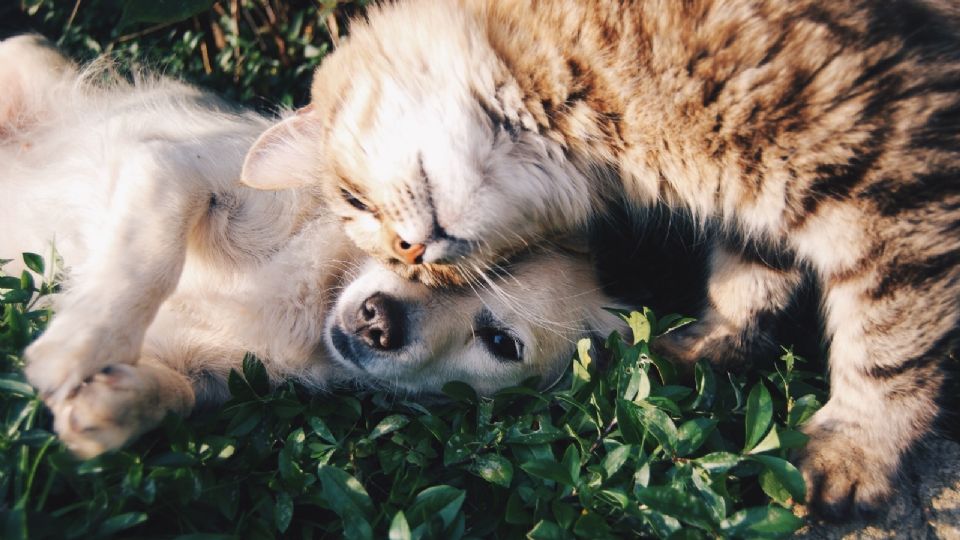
<point>824,132</point>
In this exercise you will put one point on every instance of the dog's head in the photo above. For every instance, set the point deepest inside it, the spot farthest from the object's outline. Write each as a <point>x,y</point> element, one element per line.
<point>391,332</point>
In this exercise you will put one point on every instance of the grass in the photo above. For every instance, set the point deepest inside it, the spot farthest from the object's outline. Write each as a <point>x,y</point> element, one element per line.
<point>627,451</point>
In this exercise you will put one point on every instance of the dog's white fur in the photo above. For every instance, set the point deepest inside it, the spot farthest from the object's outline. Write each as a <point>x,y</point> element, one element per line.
<point>174,270</point>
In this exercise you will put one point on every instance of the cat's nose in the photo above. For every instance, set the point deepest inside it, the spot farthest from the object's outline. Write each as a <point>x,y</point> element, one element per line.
<point>379,322</point>
<point>406,251</point>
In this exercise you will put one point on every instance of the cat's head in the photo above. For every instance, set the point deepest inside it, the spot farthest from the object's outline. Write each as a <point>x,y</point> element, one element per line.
<point>386,331</point>
<point>424,147</point>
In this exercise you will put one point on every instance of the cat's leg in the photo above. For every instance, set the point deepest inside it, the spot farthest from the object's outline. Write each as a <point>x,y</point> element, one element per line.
<point>119,403</point>
<point>891,327</point>
<point>744,296</point>
<point>154,202</point>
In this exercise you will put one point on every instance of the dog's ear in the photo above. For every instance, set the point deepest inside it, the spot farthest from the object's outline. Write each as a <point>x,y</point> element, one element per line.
<point>34,77</point>
<point>576,242</point>
<point>285,155</point>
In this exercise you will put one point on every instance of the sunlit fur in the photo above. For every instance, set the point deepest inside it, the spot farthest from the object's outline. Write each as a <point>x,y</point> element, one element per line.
<point>174,271</point>
<point>824,133</point>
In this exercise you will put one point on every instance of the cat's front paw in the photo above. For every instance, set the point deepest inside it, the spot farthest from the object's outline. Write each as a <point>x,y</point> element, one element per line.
<point>108,410</point>
<point>721,345</point>
<point>845,476</point>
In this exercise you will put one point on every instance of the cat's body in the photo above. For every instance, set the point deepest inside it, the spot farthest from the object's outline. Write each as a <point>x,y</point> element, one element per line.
<point>824,133</point>
<point>175,270</point>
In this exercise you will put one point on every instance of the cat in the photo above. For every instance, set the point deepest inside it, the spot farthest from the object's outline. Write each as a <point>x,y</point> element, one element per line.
<point>817,136</point>
<point>175,271</point>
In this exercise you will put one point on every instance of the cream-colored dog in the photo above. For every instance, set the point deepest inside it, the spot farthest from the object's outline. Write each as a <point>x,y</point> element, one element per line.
<point>175,271</point>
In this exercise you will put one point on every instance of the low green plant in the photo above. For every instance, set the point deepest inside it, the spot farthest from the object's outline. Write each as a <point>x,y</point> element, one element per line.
<point>629,450</point>
<point>260,53</point>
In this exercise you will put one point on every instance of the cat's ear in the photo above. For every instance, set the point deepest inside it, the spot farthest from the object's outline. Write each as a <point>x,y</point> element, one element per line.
<point>284,156</point>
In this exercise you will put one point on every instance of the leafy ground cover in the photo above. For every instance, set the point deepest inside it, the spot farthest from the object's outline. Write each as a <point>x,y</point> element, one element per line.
<point>630,450</point>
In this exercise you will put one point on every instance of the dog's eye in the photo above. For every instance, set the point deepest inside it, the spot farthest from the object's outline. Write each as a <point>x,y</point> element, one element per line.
<point>501,343</point>
<point>353,201</point>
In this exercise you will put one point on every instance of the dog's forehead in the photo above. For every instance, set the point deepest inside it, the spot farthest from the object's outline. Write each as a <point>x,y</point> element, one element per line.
<point>544,284</point>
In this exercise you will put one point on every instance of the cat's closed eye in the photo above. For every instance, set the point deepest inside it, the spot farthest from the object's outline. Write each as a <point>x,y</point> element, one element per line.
<point>353,200</point>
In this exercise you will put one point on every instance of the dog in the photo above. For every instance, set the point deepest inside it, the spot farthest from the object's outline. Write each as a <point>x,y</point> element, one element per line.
<point>174,271</point>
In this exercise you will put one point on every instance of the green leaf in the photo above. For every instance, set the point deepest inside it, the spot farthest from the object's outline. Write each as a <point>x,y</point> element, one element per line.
<point>571,460</point>
<point>686,507</point>
<point>547,530</point>
<point>693,433</point>
<point>643,388</point>
<point>388,425</point>
<point>770,442</point>
<point>761,522</point>
<point>548,470</point>
<point>493,468</point>
<point>121,522</point>
<point>17,296</point>
<point>436,501</point>
<point>614,497</point>
<point>26,281</point>
<point>564,513</point>
<point>628,419</point>
<point>591,525</point>
<point>399,528</point>
<point>9,283</point>
<point>255,374</point>
<point>34,262</point>
<point>802,409</point>
<point>639,325</point>
<point>516,512</point>
<point>660,426</point>
<point>615,459</point>
<point>671,322</point>
<point>718,462</point>
<point>668,373</point>
<point>706,385</point>
<point>759,415</point>
<point>283,511</point>
<point>791,438</point>
<point>581,365</point>
<point>642,476</point>
<point>773,488</point>
<point>321,429</point>
<point>16,387</point>
<point>348,499</point>
<point>544,434</point>
<point>786,474</point>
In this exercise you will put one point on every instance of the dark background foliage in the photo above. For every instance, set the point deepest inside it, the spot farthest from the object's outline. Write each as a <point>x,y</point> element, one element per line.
<point>259,53</point>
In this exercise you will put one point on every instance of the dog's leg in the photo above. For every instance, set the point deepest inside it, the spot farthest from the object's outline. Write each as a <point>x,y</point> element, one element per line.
<point>119,403</point>
<point>155,199</point>
<point>744,296</point>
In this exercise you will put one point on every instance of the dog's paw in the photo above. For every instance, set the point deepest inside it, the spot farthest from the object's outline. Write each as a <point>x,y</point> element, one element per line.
<point>721,345</point>
<point>67,355</point>
<point>846,478</point>
<point>108,410</point>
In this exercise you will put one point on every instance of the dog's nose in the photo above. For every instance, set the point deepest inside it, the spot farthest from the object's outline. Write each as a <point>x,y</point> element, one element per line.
<point>380,322</point>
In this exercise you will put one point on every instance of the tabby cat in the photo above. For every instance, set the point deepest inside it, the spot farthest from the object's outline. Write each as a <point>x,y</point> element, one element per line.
<point>818,136</point>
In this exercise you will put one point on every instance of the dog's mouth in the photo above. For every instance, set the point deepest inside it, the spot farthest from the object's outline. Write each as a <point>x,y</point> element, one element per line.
<point>343,347</point>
